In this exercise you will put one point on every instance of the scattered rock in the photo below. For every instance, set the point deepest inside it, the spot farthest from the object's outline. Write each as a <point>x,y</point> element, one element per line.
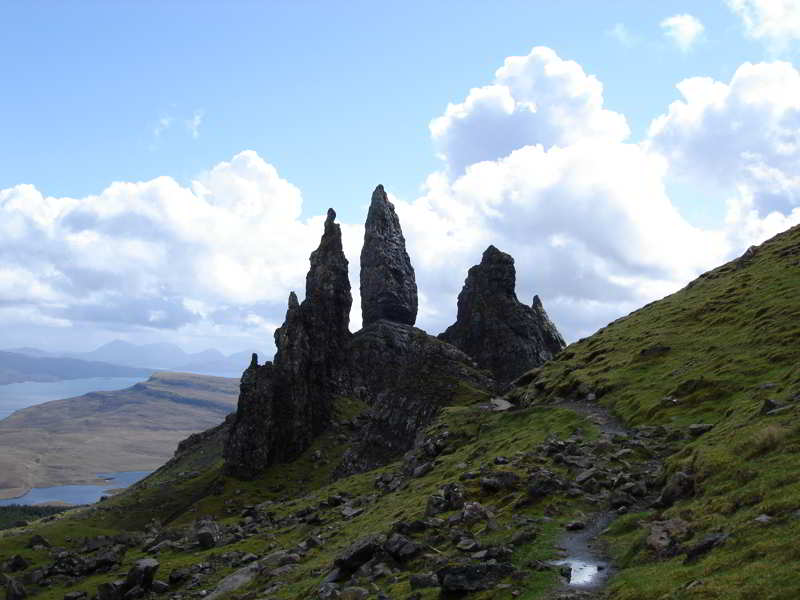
<point>706,545</point>
<point>142,574</point>
<point>471,578</point>
<point>664,536</point>
<point>698,429</point>
<point>401,548</point>
<point>423,580</point>
<point>679,486</point>
<point>359,552</point>
<point>14,589</point>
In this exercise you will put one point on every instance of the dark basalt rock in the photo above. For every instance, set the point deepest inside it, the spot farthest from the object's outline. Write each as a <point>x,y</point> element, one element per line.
<point>284,406</point>
<point>406,376</point>
<point>388,287</point>
<point>495,328</point>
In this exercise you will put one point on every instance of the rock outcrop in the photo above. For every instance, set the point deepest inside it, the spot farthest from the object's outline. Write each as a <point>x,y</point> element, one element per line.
<point>284,406</point>
<point>494,327</point>
<point>406,376</point>
<point>388,286</point>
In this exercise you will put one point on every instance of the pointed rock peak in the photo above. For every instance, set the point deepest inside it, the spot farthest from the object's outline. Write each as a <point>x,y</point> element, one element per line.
<point>293,303</point>
<point>496,273</point>
<point>254,361</point>
<point>498,331</point>
<point>388,284</point>
<point>329,222</point>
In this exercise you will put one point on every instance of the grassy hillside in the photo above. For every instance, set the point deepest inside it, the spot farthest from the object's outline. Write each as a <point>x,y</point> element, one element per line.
<point>70,441</point>
<point>705,383</point>
<point>723,351</point>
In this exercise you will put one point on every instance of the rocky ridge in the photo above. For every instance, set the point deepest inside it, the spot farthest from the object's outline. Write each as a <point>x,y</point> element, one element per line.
<point>402,373</point>
<point>284,406</point>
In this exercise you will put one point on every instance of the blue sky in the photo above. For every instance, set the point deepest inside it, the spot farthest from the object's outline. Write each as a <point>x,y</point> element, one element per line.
<point>338,97</point>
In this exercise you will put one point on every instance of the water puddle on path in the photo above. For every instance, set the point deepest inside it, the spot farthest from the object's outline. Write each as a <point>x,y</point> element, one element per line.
<point>584,573</point>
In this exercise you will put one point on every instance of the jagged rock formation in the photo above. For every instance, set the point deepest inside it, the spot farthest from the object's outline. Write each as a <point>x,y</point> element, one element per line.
<point>494,327</point>
<point>284,406</point>
<point>388,287</point>
<point>406,376</point>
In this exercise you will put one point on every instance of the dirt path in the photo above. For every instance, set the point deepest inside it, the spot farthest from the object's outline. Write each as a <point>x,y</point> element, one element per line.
<point>585,561</point>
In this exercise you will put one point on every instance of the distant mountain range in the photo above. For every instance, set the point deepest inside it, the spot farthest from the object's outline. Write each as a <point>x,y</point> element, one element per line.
<point>148,356</point>
<point>16,367</point>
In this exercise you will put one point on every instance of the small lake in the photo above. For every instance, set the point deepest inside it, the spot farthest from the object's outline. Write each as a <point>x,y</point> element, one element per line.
<point>79,494</point>
<point>16,396</point>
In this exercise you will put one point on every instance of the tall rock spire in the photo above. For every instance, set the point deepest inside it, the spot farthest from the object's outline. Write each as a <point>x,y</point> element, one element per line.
<point>284,406</point>
<point>388,286</point>
<point>494,328</point>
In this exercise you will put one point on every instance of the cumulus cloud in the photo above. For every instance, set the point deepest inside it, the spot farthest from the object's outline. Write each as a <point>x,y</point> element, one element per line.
<point>159,255</point>
<point>744,135</point>
<point>534,99</point>
<point>534,164</point>
<point>683,30</point>
<point>774,22</point>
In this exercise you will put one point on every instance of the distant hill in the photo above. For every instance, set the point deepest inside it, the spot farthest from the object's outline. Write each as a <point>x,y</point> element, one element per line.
<point>15,367</point>
<point>136,429</point>
<point>154,357</point>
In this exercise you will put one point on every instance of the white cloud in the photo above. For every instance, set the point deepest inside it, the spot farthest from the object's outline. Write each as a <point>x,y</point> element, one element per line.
<point>744,135</point>
<point>684,30</point>
<point>156,254</point>
<point>163,124</point>
<point>193,124</point>
<point>534,99</point>
<point>534,164</point>
<point>623,35</point>
<point>775,22</point>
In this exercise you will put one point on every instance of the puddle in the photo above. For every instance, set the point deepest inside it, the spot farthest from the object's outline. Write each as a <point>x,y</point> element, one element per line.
<point>584,573</point>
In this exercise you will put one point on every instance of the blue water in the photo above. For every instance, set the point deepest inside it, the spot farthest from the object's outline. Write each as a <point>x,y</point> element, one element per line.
<point>15,396</point>
<point>79,494</point>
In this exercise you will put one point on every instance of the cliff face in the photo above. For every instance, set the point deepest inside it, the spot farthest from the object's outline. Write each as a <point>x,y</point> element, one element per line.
<point>495,328</point>
<point>403,374</point>
<point>406,376</point>
<point>284,406</point>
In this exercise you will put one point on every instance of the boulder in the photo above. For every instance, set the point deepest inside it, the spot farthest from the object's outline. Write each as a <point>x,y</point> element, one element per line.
<point>678,486</point>
<point>14,589</point>
<point>472,578</point>
<point>358,553</point>
<point>141,574</point>
<point>401,548</point>
<point>493,327</point>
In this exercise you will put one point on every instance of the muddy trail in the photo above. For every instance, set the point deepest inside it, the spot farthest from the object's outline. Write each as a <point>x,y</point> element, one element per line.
<point>624,459</point>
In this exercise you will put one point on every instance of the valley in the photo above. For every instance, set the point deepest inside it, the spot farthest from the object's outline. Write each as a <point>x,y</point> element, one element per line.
<point>70,441</point>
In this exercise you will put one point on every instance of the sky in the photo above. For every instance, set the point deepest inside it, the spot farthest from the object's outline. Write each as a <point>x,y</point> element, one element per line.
<point>165,166</point>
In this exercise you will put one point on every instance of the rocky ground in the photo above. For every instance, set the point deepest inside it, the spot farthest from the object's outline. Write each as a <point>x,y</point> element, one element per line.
<point>480,533</point>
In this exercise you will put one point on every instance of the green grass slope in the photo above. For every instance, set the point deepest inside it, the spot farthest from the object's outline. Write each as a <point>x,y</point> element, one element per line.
<point>724,351</point>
